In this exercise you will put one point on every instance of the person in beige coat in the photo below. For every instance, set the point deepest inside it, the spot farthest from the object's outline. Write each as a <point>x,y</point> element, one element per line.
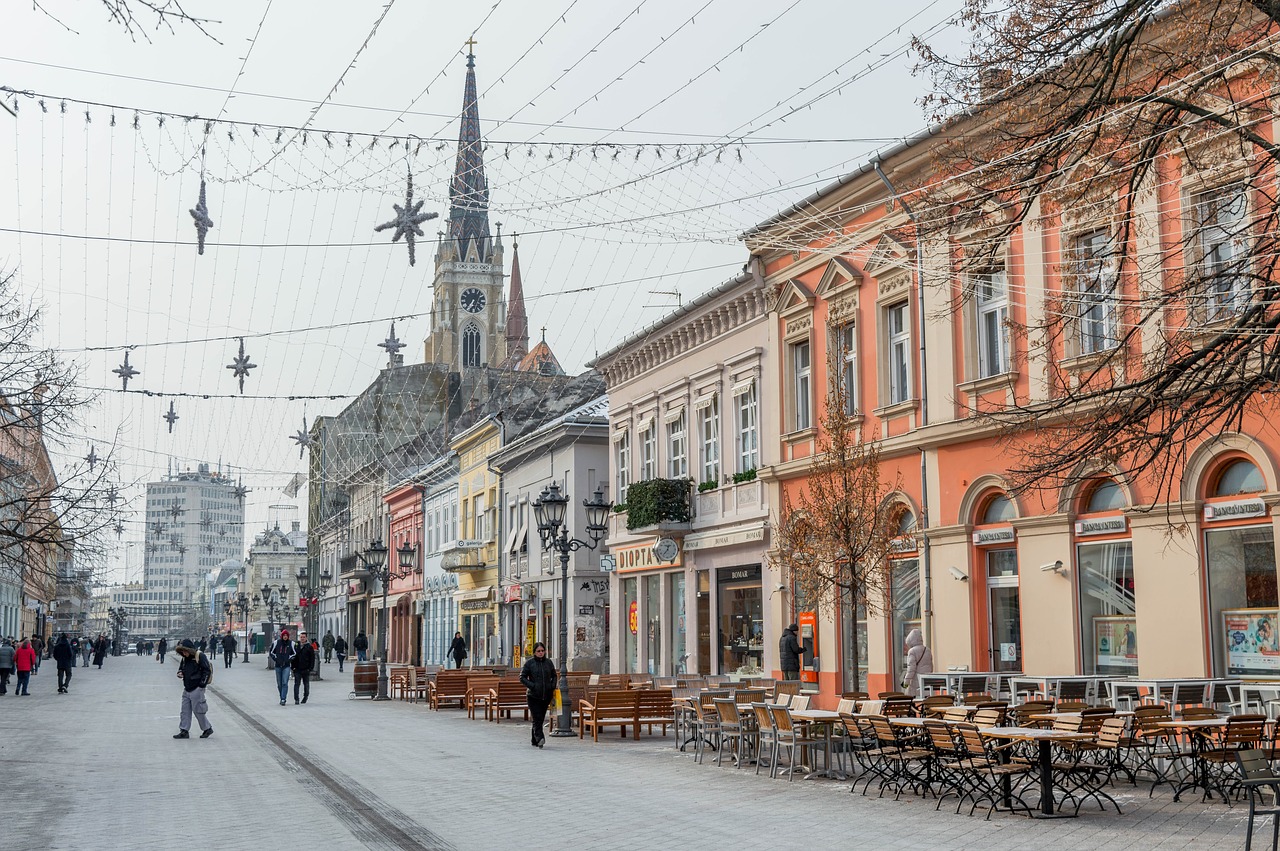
<point>919,661</point>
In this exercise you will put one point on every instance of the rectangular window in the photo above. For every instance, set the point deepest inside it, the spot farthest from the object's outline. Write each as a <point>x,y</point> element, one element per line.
<point>748,439</point>
<point>622,457</point>
<point>992,298</point>
<point>802,384</point>
<point>1108,608</point>
<point>1241,568</point>
<point>846,366</point>
<point>648,453</point>
<point>1095,281</point>
<point>677,448</point>
<point>710,429</point>
<point>898,353</point>
<point>1222,236</point>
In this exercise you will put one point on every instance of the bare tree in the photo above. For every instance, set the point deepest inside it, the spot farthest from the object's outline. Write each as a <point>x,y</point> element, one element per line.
<point>137,17</point>
<point>1083,117</point>
<point>48,512</point>
<point>833,539</point>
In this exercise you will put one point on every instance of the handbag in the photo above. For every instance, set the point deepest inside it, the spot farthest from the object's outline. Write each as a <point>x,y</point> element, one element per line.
<point>555,701</point>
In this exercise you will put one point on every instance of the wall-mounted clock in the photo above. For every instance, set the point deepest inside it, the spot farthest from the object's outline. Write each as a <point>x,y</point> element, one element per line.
<point>472,300</point>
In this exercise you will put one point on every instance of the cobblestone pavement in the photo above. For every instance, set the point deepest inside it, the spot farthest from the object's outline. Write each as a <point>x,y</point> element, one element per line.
<point>97,769</point>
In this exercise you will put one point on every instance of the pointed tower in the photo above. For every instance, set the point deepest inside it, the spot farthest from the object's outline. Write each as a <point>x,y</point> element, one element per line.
<point>468,313</point>
<point>517,320</point>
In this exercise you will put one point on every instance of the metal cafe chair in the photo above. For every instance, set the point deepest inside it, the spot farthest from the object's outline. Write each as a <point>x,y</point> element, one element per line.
<point>1257,775</point>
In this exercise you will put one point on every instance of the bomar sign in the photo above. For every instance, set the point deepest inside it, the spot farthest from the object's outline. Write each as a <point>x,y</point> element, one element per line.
<point>640,557</point>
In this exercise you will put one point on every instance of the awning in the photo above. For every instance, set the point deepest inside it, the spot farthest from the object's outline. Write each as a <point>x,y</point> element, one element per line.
<point>703,402</point>
<point>744,387</point>
<point>522,535</point>
<point>673,415</point>
<point>645,424</point>
<point>510,545</point>
<point>484,593</point>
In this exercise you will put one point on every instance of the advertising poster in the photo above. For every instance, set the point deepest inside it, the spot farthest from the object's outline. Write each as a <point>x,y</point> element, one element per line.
<point>1115,645</point>
<point>1252,646</point>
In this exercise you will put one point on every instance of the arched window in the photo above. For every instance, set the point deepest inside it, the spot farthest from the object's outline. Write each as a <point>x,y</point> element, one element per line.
<point>1239,477</point>
<point>999,509</point>
<point>471,346</point>
<point>906,522</point>
<point>1105,496</point>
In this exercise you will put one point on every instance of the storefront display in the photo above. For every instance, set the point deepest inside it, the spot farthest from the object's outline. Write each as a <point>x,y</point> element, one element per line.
<point>1108,608</point>
<point>741,611</point>
<point>1115,646</point>
<point>1251,641</point>
<point>1241,567</point>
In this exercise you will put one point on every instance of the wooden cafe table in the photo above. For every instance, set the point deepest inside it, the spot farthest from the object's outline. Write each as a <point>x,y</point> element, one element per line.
<point>1045,740</point>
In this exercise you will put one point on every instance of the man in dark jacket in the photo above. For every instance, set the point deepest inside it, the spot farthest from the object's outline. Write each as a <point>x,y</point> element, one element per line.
<point>282,653</point>
<point>789,652</point>
<point>196,673</point>
<point>161,649</point>
<point>340,650</point>
<point>327,644</point>
<point>65,657</point>
<point>361,645</point>
<point>539,676</point>
<point>228,649</point>
<point>303,661</point>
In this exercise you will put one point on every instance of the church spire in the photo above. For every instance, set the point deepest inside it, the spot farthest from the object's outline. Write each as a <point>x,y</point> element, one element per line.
<point>517,320</point>
<point>469,192</point>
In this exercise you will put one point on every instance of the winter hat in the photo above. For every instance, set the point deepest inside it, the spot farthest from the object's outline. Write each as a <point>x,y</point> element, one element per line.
<point>795,627</point>
<point>185,644</point>
<point>284,633</point>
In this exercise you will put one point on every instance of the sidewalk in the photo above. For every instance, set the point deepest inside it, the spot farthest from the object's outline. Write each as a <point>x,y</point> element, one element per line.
<point>97,769</point>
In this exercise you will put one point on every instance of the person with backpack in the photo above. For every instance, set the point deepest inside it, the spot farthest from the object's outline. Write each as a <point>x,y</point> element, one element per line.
<point>327,643</point>
<point>340,650</point>
<point>282,653</point>
<point>361,644</point>
<point>196,674</point>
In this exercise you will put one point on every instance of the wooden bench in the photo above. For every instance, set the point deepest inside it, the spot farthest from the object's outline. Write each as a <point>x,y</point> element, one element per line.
<point>506,697</point>
<point>609,708</point>
<point>654,706</point>
<point>417,686</point>
<point>478,686</point>
<point>448,688</point>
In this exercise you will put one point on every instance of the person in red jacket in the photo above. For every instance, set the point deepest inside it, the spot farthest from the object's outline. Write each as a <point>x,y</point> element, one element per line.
<point>25,661</point>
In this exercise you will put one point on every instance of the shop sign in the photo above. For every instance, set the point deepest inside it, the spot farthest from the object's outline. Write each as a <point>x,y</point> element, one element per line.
<point>1235,509</point>
<point>724,539</point>
<point>1102,526</point>
<point>475,605</point>
<point>512,594</point>
<point>586,610</point>
<point>608,564</point>
<point>985,537</point>
<point>1252,643</point>
<point>639,557</point>
<point>741,574</point>
<point>464,544</point>
<point>633,617</point>
<point>904,544</point>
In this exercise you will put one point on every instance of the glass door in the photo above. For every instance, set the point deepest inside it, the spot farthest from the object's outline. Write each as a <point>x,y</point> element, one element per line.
<point>1004,611</point>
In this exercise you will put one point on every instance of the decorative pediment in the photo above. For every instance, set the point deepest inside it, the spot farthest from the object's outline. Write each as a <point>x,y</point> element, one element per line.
<point>839,275</point>
<point>794,297</point>
<point>889,254</point>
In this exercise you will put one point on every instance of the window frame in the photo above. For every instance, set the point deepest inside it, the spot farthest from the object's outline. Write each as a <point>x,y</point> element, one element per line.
<point>898,374</point>
<point>747,428</point>
<point>1239,293</point>
<point>709,441</point>
<point>678,447</point>
<point>622,459</point>
<point>801,383</point>
<point>845,362</point>
<point>649,452</point>
<point>991,323</point>
<point>1095,283</point>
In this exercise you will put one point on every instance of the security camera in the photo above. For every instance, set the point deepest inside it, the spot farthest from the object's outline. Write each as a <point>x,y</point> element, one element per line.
<point>958,574</point>
<point>1056,567</point>
<point>782,587</point>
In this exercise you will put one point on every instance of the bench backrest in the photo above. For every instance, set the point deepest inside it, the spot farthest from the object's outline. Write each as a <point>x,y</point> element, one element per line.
<point>655,700</point>
<point>615,699</point>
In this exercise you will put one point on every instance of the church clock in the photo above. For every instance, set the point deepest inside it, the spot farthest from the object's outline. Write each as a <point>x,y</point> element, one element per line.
<point>472,300</point>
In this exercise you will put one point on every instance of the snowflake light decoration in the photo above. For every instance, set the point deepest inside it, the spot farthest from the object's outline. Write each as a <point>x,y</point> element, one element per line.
<point>240,366</point>
<point>92,458</point>
<point>203,223</point>
<point>182,550</point>
<point>157,528</point>
<point>208,548</point>
<point>302,438</point>
<point>171,417</point>
<point>176,511</point>
<point>391,344</point>
<point>240,492</point>
<point>119,527</point>
<point>113,496</point>
<point>206,522</point>
<point>125,371</point>
<point>407,220</point>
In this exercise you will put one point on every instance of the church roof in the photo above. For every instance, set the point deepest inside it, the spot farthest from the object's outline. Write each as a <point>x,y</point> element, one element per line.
<point>517,320</point>
<point>469,191</point>
<point>540,359</point>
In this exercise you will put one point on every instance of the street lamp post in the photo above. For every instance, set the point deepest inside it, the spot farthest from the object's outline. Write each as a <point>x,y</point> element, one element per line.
<point>312,602</point>
<point>276,600</point>
<point>549,509</point>
<point>405,556</point>
<point>242,603</point>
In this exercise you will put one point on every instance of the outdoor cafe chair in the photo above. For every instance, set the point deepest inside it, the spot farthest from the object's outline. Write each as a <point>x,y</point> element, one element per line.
<point>989,717</point>
<point>706,729</point>
<point>719,680</point>
<point>1123,695</point>
<point>1242,732</point>
<point>765,735</point>
<point>985,770</point>
<point>892,695</point>
<point>732,735</point>
<point>907,766</point>
<point>933,707</point>
<point>793,738</point>
<point>1225,695</point>
<point>1023,714</point>
<point>1077,690</point>
<point>967,685</point>
<point>944,766</point>
<point>859,742</point>
<point>1154,748</point>
<point>666,682</point>
<point>749,695</point>
<point>799,702</point>
<point>898,707</point>
<point>1072,706</point>
<point>786,687</point>
<point>855,695</point>
<point>1185,695</point>
<point>1090,767</point>
<point>1256,775</point>
<point>955,713</point>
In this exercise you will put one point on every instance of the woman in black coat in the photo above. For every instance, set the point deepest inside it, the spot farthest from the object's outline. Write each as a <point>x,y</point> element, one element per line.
<point>539,676</point>
<point>458,649</point>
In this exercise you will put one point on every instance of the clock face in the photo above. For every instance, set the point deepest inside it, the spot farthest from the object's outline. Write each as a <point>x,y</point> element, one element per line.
<point>472,300</point>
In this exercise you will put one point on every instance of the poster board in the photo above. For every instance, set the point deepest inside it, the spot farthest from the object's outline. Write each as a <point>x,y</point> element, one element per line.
<point>1115,644</point>
<point>1251,642</point>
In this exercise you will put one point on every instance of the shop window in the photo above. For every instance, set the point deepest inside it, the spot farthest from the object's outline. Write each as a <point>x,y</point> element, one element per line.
<point>653,620</point>
<point>853,624</point>
<point>1241,567</point>
<point>999,509</point>
<point>630,628</point>
<point>679,625</point>
<point>906,523</point>
<point>741,620</point>
<point>1239,477</point>
<point>1108,608</point>
<point>904,597</point>
<point>1105,496</point>
<point>704,622</point>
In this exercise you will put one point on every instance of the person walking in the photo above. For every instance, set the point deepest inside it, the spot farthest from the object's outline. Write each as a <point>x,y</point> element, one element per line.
<point>361,644</point>
<point>86,651</point>
<point>7,654</point>
<point>161,649</point>
<point>458,649</point>
<point>919,661</point>
<point>228,649</point>
<point>25,661</point>
<point>789,652</point>
<point>196,673</point>
<point>328,643</point>
<point>302,663</point>
<point>340,650</point>
<point>65,658</point>
<point>37,645</point>
<point>100,651</point>
<point>538,676</point>
<point>282,653</point>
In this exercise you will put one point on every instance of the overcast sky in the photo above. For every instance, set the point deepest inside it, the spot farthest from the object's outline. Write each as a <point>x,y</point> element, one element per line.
<point>628,144</point>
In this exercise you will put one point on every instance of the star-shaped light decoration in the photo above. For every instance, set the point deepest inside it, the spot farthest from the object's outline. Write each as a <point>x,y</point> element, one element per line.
<point>92,458</point>
<point>157,528</point>
<point>240,365</point>
<point>119,527</point>
<point>302,438</point>
<point>113,496</point>
<point>203,223</point>
<point>222,532</point>
<point>171,417</point>
<point>151,548</point>
<point>208,548</point>
<point>173,541</point>
<point>182,550</point>
<point>176,511</point>
<point>240,491</point>
<point>391,344</point>
<point>407,220</point>
<point>125,371</point>
<point>206,522</point>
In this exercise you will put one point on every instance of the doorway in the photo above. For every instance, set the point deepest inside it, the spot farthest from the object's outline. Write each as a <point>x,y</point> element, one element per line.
<point>1004,611</point>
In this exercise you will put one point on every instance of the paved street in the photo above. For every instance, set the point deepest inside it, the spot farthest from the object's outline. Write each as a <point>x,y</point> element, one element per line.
<point>97,769</point>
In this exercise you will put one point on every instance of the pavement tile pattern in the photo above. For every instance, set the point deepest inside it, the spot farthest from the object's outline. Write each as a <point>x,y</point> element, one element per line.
<point>97,769</point>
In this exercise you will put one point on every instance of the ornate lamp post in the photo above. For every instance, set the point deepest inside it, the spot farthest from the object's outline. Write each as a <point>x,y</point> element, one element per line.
<point>311,602</point>
<point>276,600</point>
<point>405,557</point>
<point>242,605</point>
<point>549,509</point>
<point>374,560</point>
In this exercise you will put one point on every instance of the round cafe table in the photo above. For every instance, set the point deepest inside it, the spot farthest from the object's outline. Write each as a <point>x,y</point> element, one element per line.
<point>1045,740</point>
